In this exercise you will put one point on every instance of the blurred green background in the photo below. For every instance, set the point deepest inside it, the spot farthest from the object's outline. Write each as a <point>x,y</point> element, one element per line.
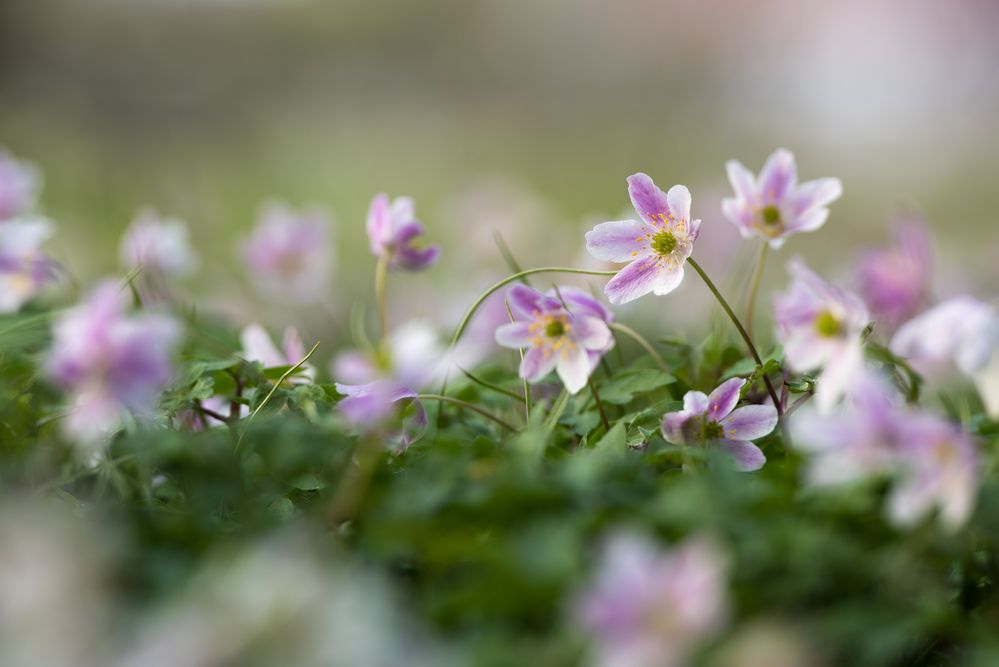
<point>518,115</point>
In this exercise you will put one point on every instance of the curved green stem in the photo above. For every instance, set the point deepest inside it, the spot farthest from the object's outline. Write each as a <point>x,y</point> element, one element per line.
<point>512,278</point>
<point>381,289</point>
<point>749,344</point>
<point>646,345</point>
<point>754,284</point>
<point>474,408</point>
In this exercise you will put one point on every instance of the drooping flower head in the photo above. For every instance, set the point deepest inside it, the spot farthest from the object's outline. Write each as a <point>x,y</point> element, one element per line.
<point>895,281</point>
<point>714,420</point>
<point>258,346</point>
<point>932,462</point>
<point>820,327</point>
<point>650,607</point>
<point>158,245</point>
<point>775,206</point>
<point>656,246</point>
<point>24,269</point>
<point>564,330</point>
<point>19,186</point>
<point>372,406</point>
<point>394,233</point>
<point>288,253</point>
<point>110,362</point>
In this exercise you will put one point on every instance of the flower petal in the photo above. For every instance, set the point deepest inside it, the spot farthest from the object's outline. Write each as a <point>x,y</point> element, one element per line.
<point>748,456</point>
<point>525,302</point>
<point>650,202</point>
<point>838,373</point>
<point>633,281</point>
<point>750,422</point>
<point>695,402</point>
<point>537,364</point>
<point>778,176</point>
<point>678,199</point>
<point>514,335</point>
<point>667,280</point>
<point>617,241</point>
<point>672,426</point>
<point>808,221</point>
<point>379,223</point>
<point>815,194</point>
<point>573,369</point>
<point>582,303</point>
<point>742,180</point>
<point>411,258</point>
<point>258,346</point>
<point>591,333</point>
<point>724,398</point>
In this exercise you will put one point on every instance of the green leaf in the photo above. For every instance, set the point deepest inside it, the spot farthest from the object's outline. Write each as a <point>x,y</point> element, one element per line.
<point>625,385</point>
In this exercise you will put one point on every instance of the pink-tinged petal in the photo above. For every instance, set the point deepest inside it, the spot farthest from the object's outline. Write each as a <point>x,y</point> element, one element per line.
<point>258,346</point>
<point>410,258</point>
<point>633,281</point>
<point>379,223</point>
<point>743,182</point>
<point>807,222</point>
<point>650,202</point>
<point>582,304</point>
<point>514,335</point>
<point>525,302</point>
<point>403,210</point>
<point>838,375</point>
<point>294,349</point>
<point>694,229</point>
<point>618,241</point>
<point>537,364</point>
<point>667,280</point>
<point>814,194</point>
<point>695,403</point>
<point>740,215</point>
<point>750,422</point>
<point>748,457</point>
<point>678,199</point>
<point>724,398</point>
<point>406,231</point>
<point>573,369</point>
<point>673,427</point>
<point>803,349</point>
<point>591,333</point>
<point>778,176</point>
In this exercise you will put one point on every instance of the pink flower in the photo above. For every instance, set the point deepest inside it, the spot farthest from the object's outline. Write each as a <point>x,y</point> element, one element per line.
<point>288,254</point>
<point>820,326</point>
<point>651,608</point>
<point>775,206</point>
<point>158,245</point>
<point>895,281</point>
<point>715,420</point>
<point>568,337</point>
<point>110,362</point>
<point>394,231</point>
<point>656,246</point>
<point>258,346</point>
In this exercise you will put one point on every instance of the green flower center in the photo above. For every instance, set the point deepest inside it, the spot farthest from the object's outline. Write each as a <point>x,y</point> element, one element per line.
<point>713,430</point>
<point>554,329</point>
<point>827,325</point>
<point>663,242</point>
<point>771,214</point>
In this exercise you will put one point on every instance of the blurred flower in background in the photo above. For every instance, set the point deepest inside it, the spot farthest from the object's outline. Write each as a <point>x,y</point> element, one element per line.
<point>24,268</point>
<point>160,251</point>
<point>895,281</point>
<point>112,364</point>
<point>288,255</point>
<point>394,234</point>
<point>652,607</point>
<point>258,346</point>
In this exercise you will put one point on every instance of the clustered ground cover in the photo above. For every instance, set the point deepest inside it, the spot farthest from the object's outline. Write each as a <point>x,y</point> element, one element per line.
<point>242,507</point>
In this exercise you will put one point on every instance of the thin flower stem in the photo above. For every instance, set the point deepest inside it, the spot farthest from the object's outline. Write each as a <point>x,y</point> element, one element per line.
<point>211,413</point>
<point>646,345</point>
<point>381,294</point>
<point>512,278</point>
<point>527,386</point>
<point>490,385</point>
<point>749,344</point>
<point>600,404</point>
<point>469,406</point>
<point>754,284</point>
<point>508,257</point>
<point>798,403</point>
